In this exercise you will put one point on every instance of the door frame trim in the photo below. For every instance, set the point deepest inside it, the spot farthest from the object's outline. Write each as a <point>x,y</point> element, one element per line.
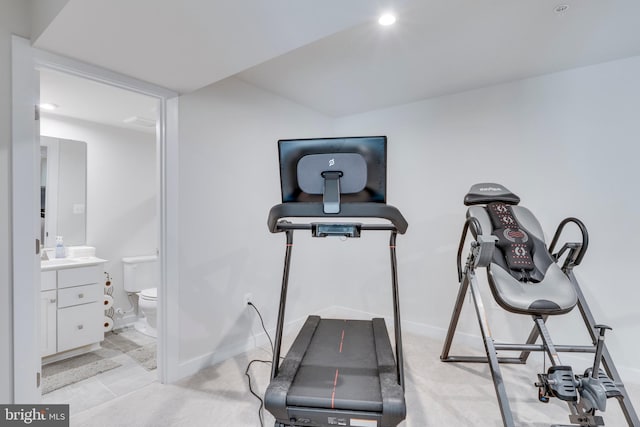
<point>26,62</point>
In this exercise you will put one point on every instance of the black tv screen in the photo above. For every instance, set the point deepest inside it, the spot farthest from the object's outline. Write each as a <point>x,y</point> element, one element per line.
<point>357,163</point>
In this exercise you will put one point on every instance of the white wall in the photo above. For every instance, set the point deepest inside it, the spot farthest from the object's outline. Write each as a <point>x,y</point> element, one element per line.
<point>563,142</point>
<point>122,186</point>
<point>42,13</point>
<point>14,19</point>
<point>566,143</point>
<point>229,180</point>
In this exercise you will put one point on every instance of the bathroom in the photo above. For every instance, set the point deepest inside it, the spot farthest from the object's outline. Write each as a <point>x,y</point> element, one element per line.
<point>120,213</point>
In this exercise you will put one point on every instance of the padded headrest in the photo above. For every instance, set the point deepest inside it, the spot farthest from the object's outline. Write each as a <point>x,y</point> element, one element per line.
<point>486,192</point>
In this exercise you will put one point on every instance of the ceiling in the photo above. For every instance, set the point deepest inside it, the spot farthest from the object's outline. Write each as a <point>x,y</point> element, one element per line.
<point>449,46</point>
<point>331,55</point>
<point>96,102</point>
<point>188,44</point>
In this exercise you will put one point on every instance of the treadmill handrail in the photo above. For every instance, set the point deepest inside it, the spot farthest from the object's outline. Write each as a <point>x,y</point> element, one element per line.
<point>347,210</point>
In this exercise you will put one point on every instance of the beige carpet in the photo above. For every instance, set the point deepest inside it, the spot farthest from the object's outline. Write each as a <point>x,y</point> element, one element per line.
<point>438,395</point>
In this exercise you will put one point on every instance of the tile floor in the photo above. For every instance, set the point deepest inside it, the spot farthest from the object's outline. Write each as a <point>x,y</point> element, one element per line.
<point>97,390</point>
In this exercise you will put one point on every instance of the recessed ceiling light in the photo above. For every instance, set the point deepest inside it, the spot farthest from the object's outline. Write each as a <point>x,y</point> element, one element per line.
<point>561,8</point>
<point>387,19</point>
<point>48,106</point>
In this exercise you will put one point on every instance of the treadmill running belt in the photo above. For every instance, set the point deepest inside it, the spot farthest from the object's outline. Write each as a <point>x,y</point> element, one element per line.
<point>339,369</point>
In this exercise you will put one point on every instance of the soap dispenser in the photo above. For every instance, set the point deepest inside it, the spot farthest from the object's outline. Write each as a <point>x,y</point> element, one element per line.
<point>60,252</point>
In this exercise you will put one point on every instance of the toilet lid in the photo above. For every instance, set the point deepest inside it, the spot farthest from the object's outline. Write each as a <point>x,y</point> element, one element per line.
<point>151,293</point>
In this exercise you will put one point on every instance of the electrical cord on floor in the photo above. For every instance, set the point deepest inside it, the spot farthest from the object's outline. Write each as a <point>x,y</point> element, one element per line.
<point>246,372</point>
<point>267,362</point>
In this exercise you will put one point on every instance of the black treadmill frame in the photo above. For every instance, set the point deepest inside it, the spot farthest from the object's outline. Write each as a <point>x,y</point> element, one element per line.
<point>397,225</point>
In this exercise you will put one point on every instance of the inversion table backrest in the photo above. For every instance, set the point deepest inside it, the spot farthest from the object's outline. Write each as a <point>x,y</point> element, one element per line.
<point>523,276</point>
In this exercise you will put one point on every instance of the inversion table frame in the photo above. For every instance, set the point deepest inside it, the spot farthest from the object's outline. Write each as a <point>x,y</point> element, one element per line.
<point>480,255</point>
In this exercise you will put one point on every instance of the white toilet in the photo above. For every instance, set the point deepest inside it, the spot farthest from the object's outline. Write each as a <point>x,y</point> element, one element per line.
<point>141,276</point>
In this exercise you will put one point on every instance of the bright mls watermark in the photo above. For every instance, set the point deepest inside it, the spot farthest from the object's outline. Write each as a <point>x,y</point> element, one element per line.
<point>34,415</point>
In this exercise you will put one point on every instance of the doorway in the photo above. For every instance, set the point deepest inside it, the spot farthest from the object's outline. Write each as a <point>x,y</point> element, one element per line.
<point>26,203</point>
<point>105,206</point>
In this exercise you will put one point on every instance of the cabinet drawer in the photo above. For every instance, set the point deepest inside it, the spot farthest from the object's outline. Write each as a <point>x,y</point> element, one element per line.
<point>80,325</point>
<point>68,277</point>
<point>79,295</point>
<point>47,280</point>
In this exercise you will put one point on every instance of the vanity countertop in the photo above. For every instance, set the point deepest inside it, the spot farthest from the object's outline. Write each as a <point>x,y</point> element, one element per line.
<point>60,263</point>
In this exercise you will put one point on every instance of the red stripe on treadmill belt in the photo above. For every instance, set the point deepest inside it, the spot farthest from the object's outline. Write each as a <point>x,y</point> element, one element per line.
<point>341,341</point>
<point>333,393</point>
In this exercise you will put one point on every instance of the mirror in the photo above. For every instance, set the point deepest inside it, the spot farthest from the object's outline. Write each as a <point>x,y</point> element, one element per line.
<point>63,191</point>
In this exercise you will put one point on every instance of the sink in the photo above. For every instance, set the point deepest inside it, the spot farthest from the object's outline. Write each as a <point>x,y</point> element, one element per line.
<point>58,263</point>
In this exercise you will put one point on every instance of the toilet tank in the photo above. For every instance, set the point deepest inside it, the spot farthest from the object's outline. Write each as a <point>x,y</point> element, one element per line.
<point>140,272</point>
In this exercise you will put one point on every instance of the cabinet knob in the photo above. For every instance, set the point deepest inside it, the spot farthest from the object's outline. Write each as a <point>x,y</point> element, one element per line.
<point>52,300</point>
<point>80,326</point>
<point>80,295</point>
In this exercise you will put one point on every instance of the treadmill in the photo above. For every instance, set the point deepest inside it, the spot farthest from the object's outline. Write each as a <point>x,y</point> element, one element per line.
<point>337,372</point>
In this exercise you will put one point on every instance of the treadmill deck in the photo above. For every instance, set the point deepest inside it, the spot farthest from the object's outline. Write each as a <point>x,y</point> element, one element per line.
<point>339,369</point>
<point>338,372</point>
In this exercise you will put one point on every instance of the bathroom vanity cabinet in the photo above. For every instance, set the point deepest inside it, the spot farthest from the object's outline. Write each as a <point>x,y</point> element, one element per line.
<point>72,312</point>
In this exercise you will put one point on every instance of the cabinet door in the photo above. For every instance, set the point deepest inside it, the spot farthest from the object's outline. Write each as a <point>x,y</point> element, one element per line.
<point>48,309</point>
<point>80,325</point>
<point>47,280</point>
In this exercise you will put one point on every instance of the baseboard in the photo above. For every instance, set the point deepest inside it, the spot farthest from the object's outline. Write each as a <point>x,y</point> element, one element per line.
<point>70,353</point>
<point>473,341</point>
<point>260,339</point>
<point>422,329</point>
<point>123,322</point>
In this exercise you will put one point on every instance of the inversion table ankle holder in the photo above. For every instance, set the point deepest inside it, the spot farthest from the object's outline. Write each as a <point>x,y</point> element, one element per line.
<point>525,278</point>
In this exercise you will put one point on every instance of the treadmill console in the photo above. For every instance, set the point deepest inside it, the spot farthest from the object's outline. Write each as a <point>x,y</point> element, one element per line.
<point>330,229</point>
